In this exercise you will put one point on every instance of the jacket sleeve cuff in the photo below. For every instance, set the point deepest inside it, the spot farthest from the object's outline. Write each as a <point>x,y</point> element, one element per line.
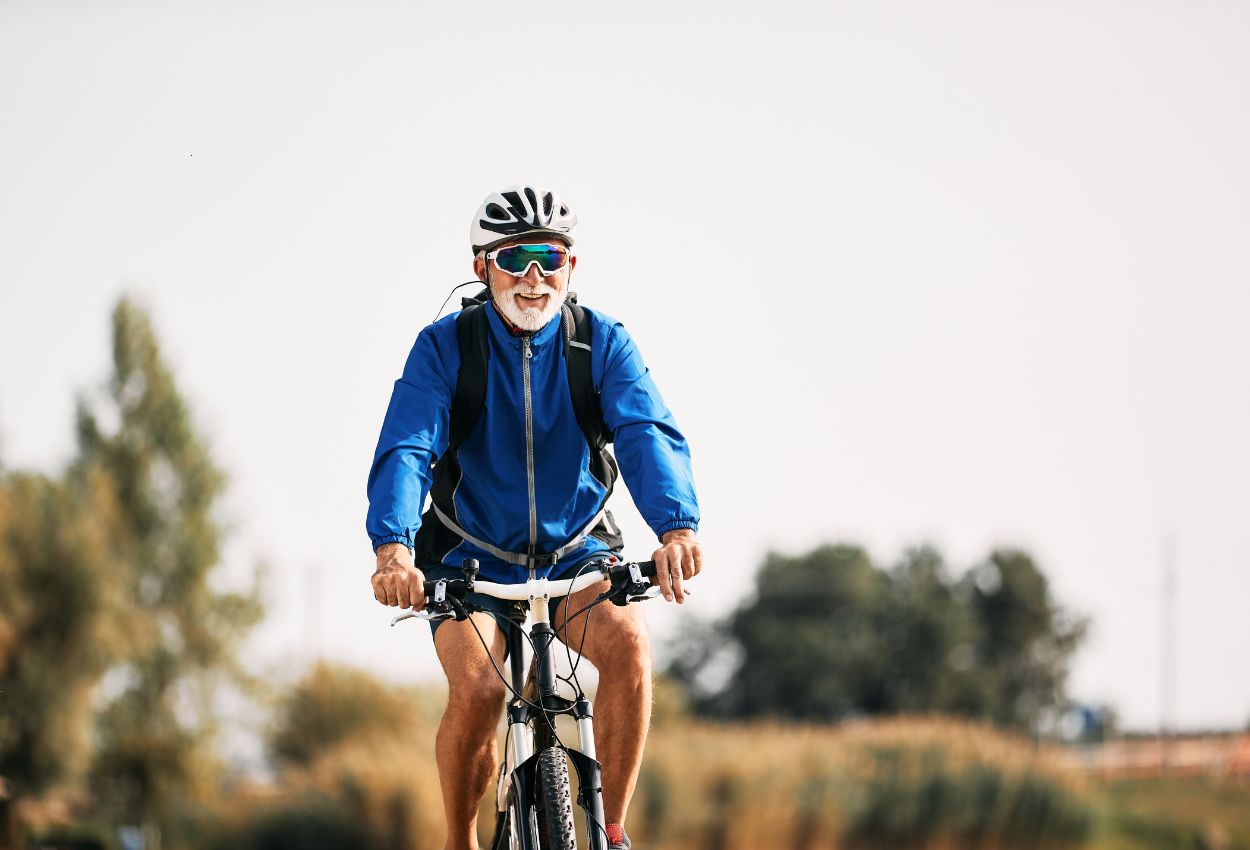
<point>691,524</point>
<point>382,540</point>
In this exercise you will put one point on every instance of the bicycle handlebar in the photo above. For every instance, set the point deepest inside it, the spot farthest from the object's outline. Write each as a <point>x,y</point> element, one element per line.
<point>557,587</point>
<point>446,598</point>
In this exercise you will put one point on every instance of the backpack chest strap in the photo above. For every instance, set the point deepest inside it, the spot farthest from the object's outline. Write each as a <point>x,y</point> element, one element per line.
<point>520,558</point>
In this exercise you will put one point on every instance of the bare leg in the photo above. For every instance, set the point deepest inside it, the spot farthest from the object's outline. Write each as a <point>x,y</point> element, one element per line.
<point>465,747</point>
<point>618,645</point>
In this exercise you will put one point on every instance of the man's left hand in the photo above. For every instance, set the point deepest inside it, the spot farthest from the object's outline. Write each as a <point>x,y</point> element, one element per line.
<point>678,559</point>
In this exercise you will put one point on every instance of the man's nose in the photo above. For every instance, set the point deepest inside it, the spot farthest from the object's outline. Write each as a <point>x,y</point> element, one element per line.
<point>532,275</point>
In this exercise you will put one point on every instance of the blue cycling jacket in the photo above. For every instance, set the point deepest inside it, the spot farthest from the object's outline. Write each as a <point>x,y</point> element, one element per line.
<point>493,501</point>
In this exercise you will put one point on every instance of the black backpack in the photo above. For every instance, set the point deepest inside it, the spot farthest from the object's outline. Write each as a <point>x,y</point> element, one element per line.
<point>435,539</point>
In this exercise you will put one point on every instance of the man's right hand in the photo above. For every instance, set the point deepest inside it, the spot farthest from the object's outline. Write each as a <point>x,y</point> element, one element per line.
<point>397,581</point>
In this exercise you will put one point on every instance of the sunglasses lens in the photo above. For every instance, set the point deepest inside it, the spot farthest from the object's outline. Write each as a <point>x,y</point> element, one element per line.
<point>517,259</point>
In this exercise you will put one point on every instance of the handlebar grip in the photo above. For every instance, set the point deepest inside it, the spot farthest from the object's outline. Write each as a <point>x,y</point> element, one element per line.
<point>647,568</point>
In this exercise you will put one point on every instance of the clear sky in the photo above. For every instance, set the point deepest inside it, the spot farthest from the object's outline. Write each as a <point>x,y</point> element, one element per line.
<point>969,273</point>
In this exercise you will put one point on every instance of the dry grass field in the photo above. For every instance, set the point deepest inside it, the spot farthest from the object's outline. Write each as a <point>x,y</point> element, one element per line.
<point>903,784</point>
<point>920,783</point>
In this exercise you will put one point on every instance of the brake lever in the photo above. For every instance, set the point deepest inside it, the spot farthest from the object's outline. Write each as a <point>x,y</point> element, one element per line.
<point>650,593</point>
<point>427,615</point>
<point>440,606</point>
<point>633,588</point>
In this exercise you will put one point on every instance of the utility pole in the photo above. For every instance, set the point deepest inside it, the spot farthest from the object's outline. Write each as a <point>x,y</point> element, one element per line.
<point>1167,659</point>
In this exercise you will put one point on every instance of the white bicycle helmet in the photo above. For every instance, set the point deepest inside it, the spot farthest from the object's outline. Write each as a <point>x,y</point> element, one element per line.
<point>519,210</point>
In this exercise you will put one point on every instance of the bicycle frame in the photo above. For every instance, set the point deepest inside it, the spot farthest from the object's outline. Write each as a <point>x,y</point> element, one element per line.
<point>535,703</point>
<point>531,729</point>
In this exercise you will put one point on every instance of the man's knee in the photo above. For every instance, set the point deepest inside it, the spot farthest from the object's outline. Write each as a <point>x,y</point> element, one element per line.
<point>478,694</point>
<point>474,687</point>
<point>622,650</point>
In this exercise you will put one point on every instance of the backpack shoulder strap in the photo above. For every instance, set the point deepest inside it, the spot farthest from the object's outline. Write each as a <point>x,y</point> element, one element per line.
<point>577,349</point>
<point>466,405</point>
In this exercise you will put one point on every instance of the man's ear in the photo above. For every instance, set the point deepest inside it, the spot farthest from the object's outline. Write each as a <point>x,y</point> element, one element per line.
<point>479,268</point>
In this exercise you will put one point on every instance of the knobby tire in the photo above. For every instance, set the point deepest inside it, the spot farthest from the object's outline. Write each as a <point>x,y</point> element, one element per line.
<point>556,830</point>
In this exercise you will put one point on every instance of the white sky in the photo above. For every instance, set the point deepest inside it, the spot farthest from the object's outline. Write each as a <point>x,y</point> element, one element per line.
<point>971,273</point>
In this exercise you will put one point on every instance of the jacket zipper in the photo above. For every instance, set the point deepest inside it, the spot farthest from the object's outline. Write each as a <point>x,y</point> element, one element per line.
<point>529,445</point>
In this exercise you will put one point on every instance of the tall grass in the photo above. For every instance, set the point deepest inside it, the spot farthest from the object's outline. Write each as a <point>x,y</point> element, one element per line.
<point>1161,814</point>
<point>898,784</point>
<point>371,792</point>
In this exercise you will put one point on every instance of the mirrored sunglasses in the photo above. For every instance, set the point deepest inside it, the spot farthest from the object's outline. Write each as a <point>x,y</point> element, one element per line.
<point>517,259</point>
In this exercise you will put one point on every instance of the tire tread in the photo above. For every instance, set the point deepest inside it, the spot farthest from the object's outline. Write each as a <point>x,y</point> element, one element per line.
<point>556,826</point>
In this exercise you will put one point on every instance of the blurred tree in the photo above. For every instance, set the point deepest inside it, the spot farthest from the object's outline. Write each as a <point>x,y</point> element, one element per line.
<point>701,660</point>
<point>61,627</point>
<point>334,703</point>
<point>156,732</point>
<point>829,635</point>
<point>1025,640</point>
<point>811,640</point>
<point>929,640</point>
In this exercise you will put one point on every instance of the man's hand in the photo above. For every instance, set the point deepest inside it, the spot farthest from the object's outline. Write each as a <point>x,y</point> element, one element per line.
<point>397,581</point>
<point>679,558</point>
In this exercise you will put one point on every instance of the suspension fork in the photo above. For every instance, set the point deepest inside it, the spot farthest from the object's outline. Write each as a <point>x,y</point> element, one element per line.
<point>520,735</point>
<point>589,775</point>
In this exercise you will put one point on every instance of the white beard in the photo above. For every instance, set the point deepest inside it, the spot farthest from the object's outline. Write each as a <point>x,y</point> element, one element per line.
<point>528,318</point>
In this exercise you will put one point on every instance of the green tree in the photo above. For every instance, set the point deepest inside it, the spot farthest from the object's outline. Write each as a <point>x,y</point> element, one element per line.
<point>830,635</point>
<point>156,733</point>
<point>928,639</point>
<point>810,640</point>
<point>105,593</point>
<point>61,627</point>
<point>1025,639</point>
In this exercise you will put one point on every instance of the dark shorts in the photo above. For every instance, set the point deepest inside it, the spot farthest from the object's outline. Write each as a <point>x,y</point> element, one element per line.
<point>504,610</point>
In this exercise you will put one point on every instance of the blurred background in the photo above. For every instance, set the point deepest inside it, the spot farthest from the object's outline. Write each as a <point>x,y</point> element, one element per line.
<point>949,300</point>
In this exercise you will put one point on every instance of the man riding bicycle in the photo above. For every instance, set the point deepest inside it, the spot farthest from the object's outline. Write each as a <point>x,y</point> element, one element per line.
<point>500,417</point>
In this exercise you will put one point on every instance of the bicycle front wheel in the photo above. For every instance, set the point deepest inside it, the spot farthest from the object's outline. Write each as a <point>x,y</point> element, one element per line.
<point>510,825</point>
<point>555,802</point>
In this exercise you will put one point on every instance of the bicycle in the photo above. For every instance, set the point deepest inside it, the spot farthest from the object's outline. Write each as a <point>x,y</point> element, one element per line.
<point>533,798</point>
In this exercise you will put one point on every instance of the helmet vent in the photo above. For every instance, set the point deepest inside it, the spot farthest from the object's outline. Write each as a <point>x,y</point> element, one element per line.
<point>514,201</point>
<point>496,212</point>
<point>533,199</point>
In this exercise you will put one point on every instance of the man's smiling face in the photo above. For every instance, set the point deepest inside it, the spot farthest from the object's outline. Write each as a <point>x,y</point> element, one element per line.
<point>530,301</point>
